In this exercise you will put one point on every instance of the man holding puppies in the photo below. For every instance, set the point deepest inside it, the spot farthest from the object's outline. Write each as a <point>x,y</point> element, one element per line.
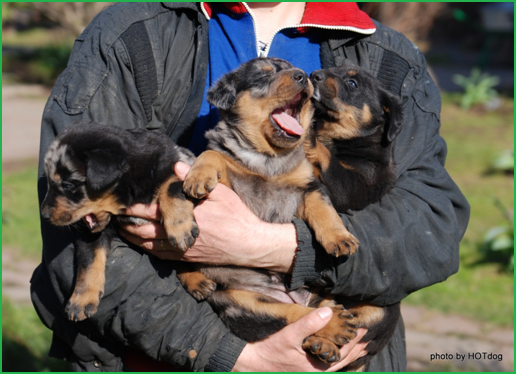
<point>149,65</point>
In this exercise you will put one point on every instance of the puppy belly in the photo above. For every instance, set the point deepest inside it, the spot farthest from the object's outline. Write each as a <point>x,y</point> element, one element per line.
<point>267,283</point>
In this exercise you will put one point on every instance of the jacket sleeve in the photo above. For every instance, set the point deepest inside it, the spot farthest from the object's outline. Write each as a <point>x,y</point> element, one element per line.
<point>144,305</point>
<point>410,239</point>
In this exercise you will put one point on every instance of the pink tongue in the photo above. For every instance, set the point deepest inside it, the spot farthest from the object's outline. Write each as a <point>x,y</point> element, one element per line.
<point>288,123</point>
<point>91,221</point>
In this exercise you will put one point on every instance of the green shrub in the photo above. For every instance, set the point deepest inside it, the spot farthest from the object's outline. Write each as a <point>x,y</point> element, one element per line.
<point>503,163</point>
<point>40,65</point>
<point>498,243</point>
<point>478,88</point>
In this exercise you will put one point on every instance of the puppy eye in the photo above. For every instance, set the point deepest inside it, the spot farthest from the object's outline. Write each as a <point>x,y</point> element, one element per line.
<point>352,83</point>
<point>66,185</point>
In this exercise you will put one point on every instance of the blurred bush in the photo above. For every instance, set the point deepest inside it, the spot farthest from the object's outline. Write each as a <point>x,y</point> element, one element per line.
<point>38,65</point>
<point>498,243</point>
<point>414,20</point>
<point>478,88</point>
<point>504,163</point>
<point>37,37</point>
<point>72,16</point>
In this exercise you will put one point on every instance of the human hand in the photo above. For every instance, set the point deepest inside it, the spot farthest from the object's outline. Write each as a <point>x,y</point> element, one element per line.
<point>283,352</point>
<point>229,233</point>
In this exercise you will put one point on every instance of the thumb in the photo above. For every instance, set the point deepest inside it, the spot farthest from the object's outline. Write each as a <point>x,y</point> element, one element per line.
<point>310,323</point>
<point>181,169</point>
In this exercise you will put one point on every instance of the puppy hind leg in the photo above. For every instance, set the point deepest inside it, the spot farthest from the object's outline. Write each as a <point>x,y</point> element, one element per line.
<point>195,282</point>
<point>244,311</point>
<point>91,258</point>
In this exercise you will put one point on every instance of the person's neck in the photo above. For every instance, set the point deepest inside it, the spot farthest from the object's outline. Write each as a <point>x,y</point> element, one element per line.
<point>273,16</point>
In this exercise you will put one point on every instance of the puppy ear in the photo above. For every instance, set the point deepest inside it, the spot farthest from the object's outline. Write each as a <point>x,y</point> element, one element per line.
<point>393,109</point>
<point>223,94</point>
<point>104,167</point>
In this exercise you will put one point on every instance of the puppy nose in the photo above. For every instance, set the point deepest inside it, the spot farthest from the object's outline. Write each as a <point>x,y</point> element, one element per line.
<point>46,212</point>
<point>317,76</point>
<point>299,76</point>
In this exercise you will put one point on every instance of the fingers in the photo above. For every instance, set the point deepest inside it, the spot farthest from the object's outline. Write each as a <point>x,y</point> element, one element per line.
<point>308,324</point>
<point>147,231</point>
<point>160,248</point>
<point>149,212</point>
<point>181,169</point>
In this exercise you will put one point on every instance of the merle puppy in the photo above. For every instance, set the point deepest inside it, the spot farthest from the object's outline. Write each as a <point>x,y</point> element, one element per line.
<point>95,171</point>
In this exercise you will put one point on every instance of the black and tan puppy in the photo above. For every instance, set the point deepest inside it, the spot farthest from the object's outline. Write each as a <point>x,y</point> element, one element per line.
<point>95,171</point>
<point>257,150</point>
<point>356,121</point>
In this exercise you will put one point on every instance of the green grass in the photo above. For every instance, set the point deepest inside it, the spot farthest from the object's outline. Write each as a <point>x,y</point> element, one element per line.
<point>474,139</point>
<point>20,212</point>
<point>26,341</point>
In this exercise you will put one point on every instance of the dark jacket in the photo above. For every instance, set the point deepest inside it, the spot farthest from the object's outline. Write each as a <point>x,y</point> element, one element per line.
<point>144,65</point>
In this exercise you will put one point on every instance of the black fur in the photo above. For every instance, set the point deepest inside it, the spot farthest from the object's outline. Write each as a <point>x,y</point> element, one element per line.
<point>246,324</point>
<point>368,171</point>
<point>360,170</point>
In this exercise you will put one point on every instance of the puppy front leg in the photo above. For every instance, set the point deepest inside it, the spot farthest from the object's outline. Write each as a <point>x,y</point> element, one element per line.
<point>318,211</point>
<point>208,169</point>
<point>318,155</point>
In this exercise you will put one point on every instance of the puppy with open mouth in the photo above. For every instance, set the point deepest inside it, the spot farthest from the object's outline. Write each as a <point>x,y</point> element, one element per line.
<point>257,150</point>
<point>94,172</point>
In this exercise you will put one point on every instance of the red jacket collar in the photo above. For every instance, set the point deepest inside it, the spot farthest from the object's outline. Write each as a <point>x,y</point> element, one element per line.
<point>342,15</point>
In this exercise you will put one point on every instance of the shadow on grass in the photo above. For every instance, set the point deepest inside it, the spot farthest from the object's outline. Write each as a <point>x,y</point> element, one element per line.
<point>501,259</point>
<point>16,357</point>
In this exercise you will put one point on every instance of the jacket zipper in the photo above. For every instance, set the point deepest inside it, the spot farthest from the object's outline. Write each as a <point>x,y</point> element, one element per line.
<point>265,52</point>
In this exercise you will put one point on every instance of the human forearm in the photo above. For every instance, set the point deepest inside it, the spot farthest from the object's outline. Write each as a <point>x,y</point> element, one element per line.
<point>254,244</point>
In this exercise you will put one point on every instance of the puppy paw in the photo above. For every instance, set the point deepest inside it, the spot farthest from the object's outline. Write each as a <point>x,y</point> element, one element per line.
<point>322,348</point>
<point>197,284</point>
<point>339,331</point>
<point>340,243</point>
<point>203,290</point>
<point>179,221</point>
<point>200,181</point>
<point>181,232</point>
<point>83,305</point>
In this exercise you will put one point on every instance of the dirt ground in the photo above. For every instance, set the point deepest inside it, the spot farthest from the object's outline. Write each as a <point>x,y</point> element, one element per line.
<point>434,341</point>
